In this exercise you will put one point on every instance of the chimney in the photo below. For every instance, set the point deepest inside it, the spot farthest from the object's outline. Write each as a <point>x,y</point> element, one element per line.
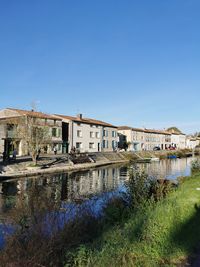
<point>80,116</point>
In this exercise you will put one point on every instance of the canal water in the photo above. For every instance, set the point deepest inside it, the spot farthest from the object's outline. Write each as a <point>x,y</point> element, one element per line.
<point>91,188</point>
<point>80,186</point>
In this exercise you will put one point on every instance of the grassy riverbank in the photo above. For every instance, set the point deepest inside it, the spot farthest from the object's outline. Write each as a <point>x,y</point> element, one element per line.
<point>159,234</point>
<point>151,231</point>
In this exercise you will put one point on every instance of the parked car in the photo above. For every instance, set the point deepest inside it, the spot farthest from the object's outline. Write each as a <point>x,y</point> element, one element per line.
<point>156,148</point>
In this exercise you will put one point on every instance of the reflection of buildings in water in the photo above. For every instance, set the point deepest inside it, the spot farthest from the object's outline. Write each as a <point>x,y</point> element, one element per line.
<point>1,198</point>
<point>66,187</point>
<point>8,195</point>
<point>181,167</point>
<point>93,182</point>
<point>170,168</point>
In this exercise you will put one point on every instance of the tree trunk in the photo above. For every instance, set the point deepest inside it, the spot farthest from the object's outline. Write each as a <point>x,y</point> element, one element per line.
<point>34,158</point>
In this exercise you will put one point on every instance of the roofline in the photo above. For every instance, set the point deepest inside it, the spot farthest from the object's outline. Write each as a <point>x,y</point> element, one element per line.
<point>13,117</point>
<point>85,120</point>
<point>39,114</point>
<point>144,130</point>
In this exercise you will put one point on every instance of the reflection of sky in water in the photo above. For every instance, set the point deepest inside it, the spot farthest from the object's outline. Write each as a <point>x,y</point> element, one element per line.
<point>93,188</point>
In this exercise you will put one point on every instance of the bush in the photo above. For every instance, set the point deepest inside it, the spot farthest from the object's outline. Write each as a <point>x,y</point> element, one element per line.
<point>115,211</point>
<point>196,165</point>
<point>140,188</point>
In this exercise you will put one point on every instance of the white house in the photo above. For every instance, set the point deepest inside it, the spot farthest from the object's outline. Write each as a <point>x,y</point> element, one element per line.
<point>88,135</point>
<point>192,142</point>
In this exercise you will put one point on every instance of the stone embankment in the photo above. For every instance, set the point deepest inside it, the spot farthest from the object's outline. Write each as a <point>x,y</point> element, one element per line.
<point>62,163</point>
<point>59,164</point>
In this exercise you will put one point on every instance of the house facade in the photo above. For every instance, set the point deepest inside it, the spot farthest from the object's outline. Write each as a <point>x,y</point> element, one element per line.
<point>143,139</point>
<point>134,137</point>
<point>88,135</point>
<point>178,139</point>
<point>157,138</point>
<point>16,123</point>
<point>192,142</point>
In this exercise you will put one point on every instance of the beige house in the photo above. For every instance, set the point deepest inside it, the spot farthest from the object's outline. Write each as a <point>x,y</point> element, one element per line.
<point>192,142</point>
<point>178,139</point>
<point>157,138</point>
<point>88,135</point>
<point>144,139</point>
<point>135,137</point>
<point>13,123</point>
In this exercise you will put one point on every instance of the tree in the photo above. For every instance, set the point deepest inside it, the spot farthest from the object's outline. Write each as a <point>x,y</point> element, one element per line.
<point>33,135</point>
<point>126,145</point>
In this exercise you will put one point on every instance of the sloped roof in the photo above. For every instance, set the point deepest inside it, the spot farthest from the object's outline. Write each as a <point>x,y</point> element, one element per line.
<point>34,114</point>
<point>175,131</point>
<point>86,120</point>
<point>130,128</point>
<point>157,131</point>
<point>143,130</point>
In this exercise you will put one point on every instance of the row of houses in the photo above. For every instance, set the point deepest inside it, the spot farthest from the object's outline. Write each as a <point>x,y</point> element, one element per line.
<point>65,132</point>
<point>68,133</point>
<point>149,139</point>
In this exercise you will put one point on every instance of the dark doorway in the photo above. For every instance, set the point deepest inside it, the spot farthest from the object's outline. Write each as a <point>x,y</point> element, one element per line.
<point>8,146</point>
<point>65,137</point>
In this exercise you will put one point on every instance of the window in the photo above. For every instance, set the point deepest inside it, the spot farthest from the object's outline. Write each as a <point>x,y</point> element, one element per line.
<point>91,134</point>
<point>79,133</point>
<point>10,127</point>
<point>113,134</point>
<point>78,145</point>
<point>54,132</point>
<point>78,123</point>
<point>59,132</point>
<point>91,145</point>
<point>105,133</point>
<point>97,135</point>
<point>104,143</point>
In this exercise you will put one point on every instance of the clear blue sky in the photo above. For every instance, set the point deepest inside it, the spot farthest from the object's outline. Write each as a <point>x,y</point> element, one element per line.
<point>127,62</point>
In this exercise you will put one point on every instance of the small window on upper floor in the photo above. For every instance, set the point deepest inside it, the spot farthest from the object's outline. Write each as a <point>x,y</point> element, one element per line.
<point>79,133</point>
<point>54,132</point>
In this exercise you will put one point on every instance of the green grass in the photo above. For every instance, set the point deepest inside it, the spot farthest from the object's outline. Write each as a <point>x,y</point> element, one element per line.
<point>159,234</point>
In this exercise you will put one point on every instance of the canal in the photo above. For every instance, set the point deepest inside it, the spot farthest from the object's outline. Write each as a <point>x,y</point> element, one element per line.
<point>79,186</point>
<point>77,191</point>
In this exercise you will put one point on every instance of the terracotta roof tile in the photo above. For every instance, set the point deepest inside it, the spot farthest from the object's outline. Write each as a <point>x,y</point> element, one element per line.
<point>143,130</point>
<point>130,128</point>
<point>34,114</point>
<point>86,120</point>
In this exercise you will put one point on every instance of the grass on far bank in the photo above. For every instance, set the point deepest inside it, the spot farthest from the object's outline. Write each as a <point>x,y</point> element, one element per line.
<point>159,234</point>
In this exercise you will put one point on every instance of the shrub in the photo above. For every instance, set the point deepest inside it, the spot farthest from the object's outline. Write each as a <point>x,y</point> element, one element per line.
<point>115,210</point>
<point>196,165</point>
<point>137,187</point>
